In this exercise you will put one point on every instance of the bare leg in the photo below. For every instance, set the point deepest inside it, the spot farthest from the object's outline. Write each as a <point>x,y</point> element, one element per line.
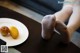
<point>73,25</point>
<point>74,21</point>
<point>66,11</point>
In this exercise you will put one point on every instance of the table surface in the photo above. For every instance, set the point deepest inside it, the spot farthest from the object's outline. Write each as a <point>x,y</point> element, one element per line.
<point>35,43</point>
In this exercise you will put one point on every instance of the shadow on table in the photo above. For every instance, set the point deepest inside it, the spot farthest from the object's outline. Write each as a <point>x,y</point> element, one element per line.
<point>54,45</point>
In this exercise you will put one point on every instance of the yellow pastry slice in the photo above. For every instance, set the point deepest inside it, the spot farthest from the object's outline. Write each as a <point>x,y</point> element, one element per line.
<point>14,32</point>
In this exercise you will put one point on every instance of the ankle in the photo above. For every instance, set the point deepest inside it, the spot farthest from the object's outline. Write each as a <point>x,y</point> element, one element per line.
<point>68,9</point>
<point>70,31</point>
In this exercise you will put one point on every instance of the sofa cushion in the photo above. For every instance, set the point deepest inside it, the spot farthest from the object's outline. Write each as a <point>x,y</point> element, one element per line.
<point>52,4</point>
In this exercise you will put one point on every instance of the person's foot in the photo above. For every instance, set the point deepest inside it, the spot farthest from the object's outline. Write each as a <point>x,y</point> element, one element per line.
<point>48,24</point>
<point>62,29</point>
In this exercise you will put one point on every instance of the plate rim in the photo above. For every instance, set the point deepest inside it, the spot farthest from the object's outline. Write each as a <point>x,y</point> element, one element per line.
<point>23,25</point>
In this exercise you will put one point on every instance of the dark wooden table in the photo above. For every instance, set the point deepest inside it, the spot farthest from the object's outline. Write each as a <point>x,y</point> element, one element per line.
<point>34,43</point>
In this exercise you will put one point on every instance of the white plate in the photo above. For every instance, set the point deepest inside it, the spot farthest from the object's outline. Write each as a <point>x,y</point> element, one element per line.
<point>23,31</point>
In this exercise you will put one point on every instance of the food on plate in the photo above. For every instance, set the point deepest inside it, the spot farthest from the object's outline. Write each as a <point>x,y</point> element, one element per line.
<point>4,30</point>
<point>14,32</point>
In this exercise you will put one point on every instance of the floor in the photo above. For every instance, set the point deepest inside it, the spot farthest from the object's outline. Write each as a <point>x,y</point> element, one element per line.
<point>35,16</point>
